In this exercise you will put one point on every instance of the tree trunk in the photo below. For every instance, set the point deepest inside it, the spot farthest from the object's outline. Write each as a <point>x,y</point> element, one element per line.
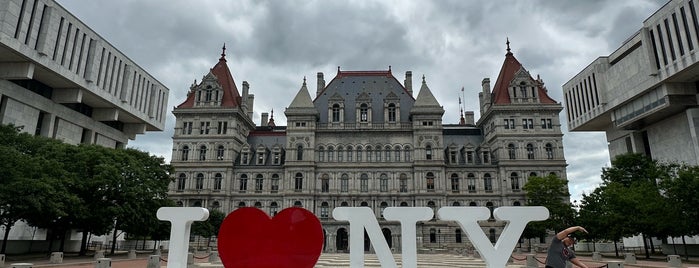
<point>61,246</point>
<point>4,239</point>
<point>652,247</point>
<point>645,246</point>
<point>684,244</point>
<point>114,237</point>
<point>616,248</point>
<point>51,235</point>
<point>83,244</point>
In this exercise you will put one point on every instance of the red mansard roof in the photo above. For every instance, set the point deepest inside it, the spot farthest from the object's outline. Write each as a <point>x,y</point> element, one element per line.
<point>231,96</point>
<point>508,71</point>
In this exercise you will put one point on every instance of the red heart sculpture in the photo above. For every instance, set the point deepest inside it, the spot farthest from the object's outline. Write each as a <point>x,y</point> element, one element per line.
<point>250,238</point>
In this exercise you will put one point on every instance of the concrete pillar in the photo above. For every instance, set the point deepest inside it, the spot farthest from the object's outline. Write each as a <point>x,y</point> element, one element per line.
<point>214,258</point>
<point>132,254</point>
<point>531,261</point>
<point>99,254</point>
<point>190,259</point>
<point>56,257</point>
<point>630,258</point>
<point>596,256</point>
<point>22,265</point>
<point>674,261</point>
<point>154,261</point>
<point>2,260</point>
<point>158,252</point>
<point>615,264</point>
<point>103,263</point>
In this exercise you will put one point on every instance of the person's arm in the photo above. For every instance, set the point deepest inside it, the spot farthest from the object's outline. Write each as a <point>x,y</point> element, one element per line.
<point>569,230</point>
<point>577,262</point>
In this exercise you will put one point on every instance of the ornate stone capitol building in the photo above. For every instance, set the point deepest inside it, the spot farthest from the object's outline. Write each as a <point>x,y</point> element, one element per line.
<point>366,139</point>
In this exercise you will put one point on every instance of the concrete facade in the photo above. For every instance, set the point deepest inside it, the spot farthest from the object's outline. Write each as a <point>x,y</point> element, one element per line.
<point>644,94</point>
<point>60,79</point>
<point>365,139</point>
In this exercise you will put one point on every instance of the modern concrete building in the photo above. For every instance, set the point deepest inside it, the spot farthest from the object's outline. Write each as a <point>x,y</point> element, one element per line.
<point>644,94</point>
<point>365,139</point>
<point>60,79</point>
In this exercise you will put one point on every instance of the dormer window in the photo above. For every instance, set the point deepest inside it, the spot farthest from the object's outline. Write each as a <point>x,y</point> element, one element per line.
<point>364,112</point>
<point>336,113</point>
<point>261,158</point>
<point>523,90</point>
<point>392,113</point>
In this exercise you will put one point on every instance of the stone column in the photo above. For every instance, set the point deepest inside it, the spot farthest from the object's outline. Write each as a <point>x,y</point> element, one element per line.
<point>56,257</point>
<point>674,261</point>
<point>103,263</point>
<point>154,261</point>
<point>531,261</point>
<point>630,258</point>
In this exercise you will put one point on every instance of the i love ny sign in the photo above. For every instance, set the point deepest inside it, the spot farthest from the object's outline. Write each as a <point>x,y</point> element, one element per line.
<point>249,238</point>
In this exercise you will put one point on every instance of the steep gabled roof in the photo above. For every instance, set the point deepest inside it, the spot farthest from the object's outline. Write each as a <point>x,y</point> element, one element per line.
<point>303,98</point>
<point>425,98</point>
<point>231,96</point>
<point>508,72</point>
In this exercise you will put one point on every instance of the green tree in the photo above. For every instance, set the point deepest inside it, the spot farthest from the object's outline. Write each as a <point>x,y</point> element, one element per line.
<point>681,191</point>
<point>209,228</point>
<point>550,192</point>
<point>631,184</point>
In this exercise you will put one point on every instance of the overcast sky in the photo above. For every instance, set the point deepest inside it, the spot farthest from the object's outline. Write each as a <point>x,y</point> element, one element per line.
<point>455,44</point>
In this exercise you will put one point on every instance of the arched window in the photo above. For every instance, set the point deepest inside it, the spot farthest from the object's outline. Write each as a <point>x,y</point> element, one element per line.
<point>433,235</point>
<point>321,154</point>
<point>258,204</point>
<point>368,153</point>
<point>200,181</point>
<point>430,181</point>
<point>324,210</point>
<point>516,204</point>
<point>180,204</point>
<point>215,205</point>
<point>344,204</point>
<point>359,154</point>
<point>549,151</point>
<point>455,204</point>
<point>298,204</point>
<point>340,153</point>
<point>364,112</point>
<point>273,207</point>
<point>275,183</point>
<point>383,183</point>
<point>383,206</point>
<point>428,152</point>
<point>488,183</point>
<point>181,182</point>
<point>202,153</point>
<point>532,174</point>
<point>403,204</point>
<point>387,153</point>
<point>403,183</point>
<point>336,113</point>
<point>396,154</point>
<point>259,183</point>
<point>197,203</point>
<point>471,182</point>
<point>331,154</point>
<point>454,182</point>
<point>325,183</point>
<point>243,183</point>
<point>530,151</point>
<point>514,181</point>
<point>298,182</point>
<point>391,113</point>
<point>378,153</point>
<point>218,178</point>
<point>407,153</point>
<point>523,89</point>
<point>349,153</point>
<point>220,151</point>
<point>490,207</point>
<point>185,153</point>
<point>511,151</point>
<point>457,234</point>
<point>241,204</point>
<point>344,183</point>
<point>472,204</point>
<point>364,204</point>
<point>432,206</point>
<point>299,152</point>
<point>364,183</point>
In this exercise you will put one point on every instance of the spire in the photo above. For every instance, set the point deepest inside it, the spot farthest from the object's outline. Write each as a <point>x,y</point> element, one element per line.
<point>462,120</point>
<point>304,80</point>
<point>223,53</point>
<point>508,46</point>
<point>271,120</point>
<point>302,98</point>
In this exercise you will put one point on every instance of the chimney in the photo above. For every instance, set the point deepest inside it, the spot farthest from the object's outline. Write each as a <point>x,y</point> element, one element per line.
<point>246,91</point>
<point>264,120</point>
<point>320,83</point>
<point>468,118</point>
<point>486,86</point>
<point>408,83</point>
